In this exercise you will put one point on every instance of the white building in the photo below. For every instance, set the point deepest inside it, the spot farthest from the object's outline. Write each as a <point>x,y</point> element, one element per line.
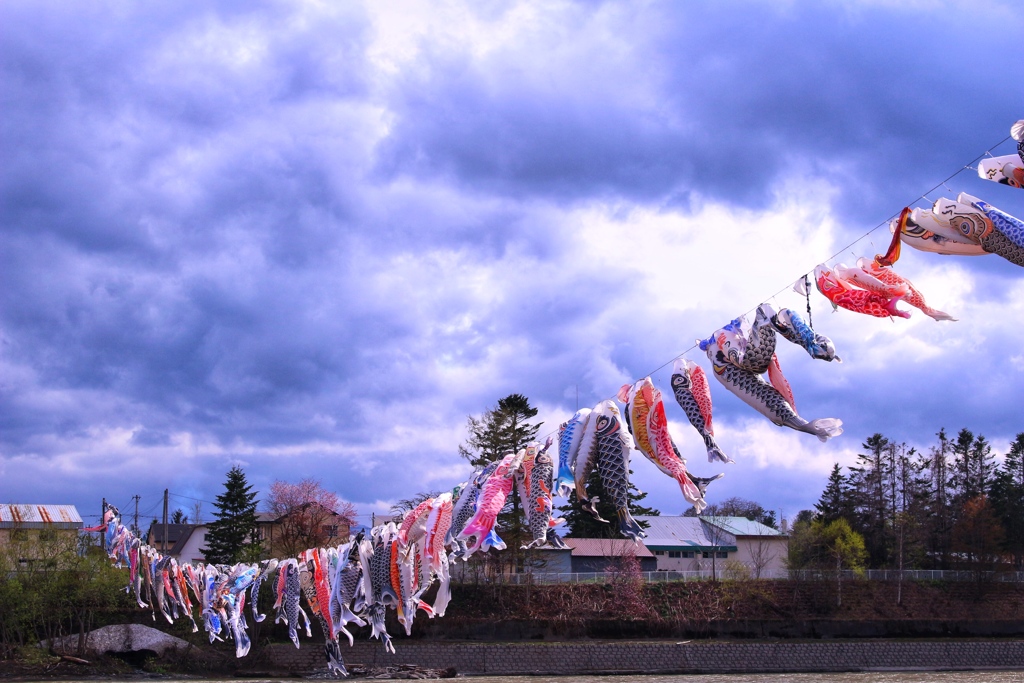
<point>731,544</point>
<point>185,542</point>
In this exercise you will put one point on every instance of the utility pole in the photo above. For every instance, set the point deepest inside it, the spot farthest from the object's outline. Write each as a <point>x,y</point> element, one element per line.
<point>163,542</point>
<point>136,523</point>
<point>103,534</point>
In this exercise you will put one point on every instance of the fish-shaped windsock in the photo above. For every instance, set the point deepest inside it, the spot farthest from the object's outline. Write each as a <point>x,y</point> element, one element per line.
<point>465,507</point>
<point>291,590</point>
<point>342,590</point>
<point>759,346</point>
<point>490,502</point>
<point>857,300</point>
<point>414,523</point>
<point>857,277</point>
<point>923,231</point>
<point>403,573</point>
<point>381,593</point>
<point>267,568</point>
<point>612,445</point>
<point>1008,169</point>
<point>693,394</point>
<point>638,397</point>
<point>1007,235</point>
<point>313,581</point>
<point>569,434</point>
<point>964,226</point>
<point>535,492</point>
<point>731,340</point>
<point>586,461</point>
<point>792,328</point>
<point>912,297</point>
<point>766,399</point>
<point>669,460</point>
<point>436,559</point>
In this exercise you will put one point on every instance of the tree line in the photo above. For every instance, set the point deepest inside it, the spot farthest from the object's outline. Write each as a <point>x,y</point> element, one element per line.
<point>947,507</point>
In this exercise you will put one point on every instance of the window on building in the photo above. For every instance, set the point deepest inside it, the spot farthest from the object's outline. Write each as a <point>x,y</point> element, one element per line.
<point>674,553</point>
<point>659,552</point>
<point>331,530</point>
<point>722,556</point>
<point>688,554</point>
<point>705,554</point>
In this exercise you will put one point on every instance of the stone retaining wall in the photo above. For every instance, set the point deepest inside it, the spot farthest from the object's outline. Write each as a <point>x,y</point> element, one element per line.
<point>664,657</point>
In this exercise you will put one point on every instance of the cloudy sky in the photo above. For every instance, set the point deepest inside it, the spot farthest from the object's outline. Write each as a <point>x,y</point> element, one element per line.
<point>311,238</point>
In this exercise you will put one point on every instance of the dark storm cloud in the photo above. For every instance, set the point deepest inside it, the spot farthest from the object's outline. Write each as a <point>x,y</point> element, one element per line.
<point>719,98</point>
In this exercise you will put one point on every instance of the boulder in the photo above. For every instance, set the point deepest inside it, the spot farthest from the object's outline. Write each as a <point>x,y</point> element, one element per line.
<point>121,638</point>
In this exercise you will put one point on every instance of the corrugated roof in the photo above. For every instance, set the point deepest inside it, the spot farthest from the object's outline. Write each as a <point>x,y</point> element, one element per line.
<point>606,547</point>
<point>666,530</point>
<point>33,516</point>
<point>741,526</point>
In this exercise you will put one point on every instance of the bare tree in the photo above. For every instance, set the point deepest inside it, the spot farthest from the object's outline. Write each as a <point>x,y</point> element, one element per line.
<point>762,553</point>
<point>718,536</point>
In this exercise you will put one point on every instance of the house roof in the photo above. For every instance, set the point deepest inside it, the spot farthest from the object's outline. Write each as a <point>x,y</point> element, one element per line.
<point>606,547</point>
<point>672,531</point>
<point>741,526</point>
<point>174,532</point>
<point>35,516</point>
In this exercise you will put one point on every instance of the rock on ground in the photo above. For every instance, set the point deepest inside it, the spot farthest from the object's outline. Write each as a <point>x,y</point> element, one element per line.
<point>121,638</point>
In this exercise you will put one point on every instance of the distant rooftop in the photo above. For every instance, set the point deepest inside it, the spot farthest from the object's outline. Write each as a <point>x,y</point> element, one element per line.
<point>606,547</point>
<point>33,516</point>
<point>666,530</point>
<point>741,526</point>
<point>670,531</point>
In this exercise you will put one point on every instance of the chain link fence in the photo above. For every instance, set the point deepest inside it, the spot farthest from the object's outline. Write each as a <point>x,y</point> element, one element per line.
<point>541,578</point>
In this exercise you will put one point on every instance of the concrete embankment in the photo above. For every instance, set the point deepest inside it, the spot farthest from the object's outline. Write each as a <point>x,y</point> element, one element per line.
<point>590,657</point>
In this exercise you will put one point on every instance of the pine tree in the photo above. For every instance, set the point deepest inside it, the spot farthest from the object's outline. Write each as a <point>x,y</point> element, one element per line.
<point>1008,500</point>
<point>938,502</point>
<point>501,430</point>
<point>869,482</point>
<point>836,500</point>
<point>233,537</point>
<point>582,524</point>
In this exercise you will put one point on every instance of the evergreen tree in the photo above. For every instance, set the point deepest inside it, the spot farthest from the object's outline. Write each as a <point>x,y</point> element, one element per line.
<point>836,500</point>
<point>581,524</point>
<point>501,430</point>
<point>179,517</point>
<point>233,537</point>
<point>973,466</point>
<point>870,484</point>
<point>909,508</point>
<point>1008,500</point>
<point>937,493</point>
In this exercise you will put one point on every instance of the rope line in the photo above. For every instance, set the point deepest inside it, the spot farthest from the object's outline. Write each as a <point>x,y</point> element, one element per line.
<point>806,275</point>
